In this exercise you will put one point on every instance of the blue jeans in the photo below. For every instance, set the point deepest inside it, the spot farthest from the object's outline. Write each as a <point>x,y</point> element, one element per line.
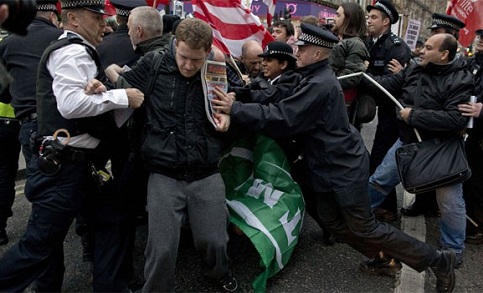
<point>450,200</point>
<point>26,130</point>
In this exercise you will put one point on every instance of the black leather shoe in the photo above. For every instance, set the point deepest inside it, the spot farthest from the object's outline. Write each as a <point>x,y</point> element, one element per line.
<point>414,211</point>
<point>381,266</point>
<point>3,237</point>
<point>474,238</point>
<point>443,268</point>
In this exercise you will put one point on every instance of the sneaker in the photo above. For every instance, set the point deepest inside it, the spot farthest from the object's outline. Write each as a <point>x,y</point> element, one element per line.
<point>3,237</point>
<point>443,269</point>
<point>474,238</point>
<point>228,283</point>
<point>381,266</point>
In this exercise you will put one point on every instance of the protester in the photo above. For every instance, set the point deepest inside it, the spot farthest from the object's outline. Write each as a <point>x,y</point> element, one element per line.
<point>384,46</point>
<point>145,29</point>
<point>62,175</point>
<point>429,92</point>
<point>250,63</point>
<point>21,56</point>
<point>117,47</point>
<point>335,162</point>
<point>426,203</point>
<point>350,55</point>
<point>184,180</point>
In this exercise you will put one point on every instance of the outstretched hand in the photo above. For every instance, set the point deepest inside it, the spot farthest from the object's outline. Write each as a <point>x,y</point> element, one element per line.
<point>225,101</point>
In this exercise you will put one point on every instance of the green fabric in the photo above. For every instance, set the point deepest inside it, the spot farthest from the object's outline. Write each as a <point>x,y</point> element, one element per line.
<point>6,110</point>
<point>264,201</point>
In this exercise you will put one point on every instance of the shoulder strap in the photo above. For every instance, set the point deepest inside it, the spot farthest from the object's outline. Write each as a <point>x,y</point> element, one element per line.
<point>153,73</point>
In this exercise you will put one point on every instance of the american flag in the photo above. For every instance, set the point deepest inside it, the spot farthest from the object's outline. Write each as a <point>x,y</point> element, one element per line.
<point>233,24</point>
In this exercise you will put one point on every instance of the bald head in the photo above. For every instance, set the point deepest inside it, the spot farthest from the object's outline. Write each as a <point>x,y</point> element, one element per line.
<point>250,51</point>
<point>439,49</point>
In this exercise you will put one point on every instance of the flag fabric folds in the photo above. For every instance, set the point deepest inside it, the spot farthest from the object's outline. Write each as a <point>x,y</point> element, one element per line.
<point>469,12</point>
<point>264,201</point>
<point>233,24</point>
<point>271,10</point>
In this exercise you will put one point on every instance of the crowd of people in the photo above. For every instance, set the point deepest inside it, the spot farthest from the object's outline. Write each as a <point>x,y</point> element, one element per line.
<point>134,97</point>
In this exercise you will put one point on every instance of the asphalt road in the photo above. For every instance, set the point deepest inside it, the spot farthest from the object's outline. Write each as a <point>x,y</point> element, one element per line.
<point>314,267</point>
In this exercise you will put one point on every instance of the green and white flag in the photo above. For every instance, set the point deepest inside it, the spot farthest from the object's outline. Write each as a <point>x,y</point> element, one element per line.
<point>264,201</point>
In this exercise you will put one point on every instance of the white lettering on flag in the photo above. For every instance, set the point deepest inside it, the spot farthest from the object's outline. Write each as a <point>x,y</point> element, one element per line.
<point>289,226</point>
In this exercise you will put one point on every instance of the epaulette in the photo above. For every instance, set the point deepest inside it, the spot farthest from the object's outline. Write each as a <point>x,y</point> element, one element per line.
<point>395,39</point>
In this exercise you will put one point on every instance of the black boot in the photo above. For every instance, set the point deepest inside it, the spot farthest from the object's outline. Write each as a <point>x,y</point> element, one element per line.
<point>443,269</point>
<point>381,265</point>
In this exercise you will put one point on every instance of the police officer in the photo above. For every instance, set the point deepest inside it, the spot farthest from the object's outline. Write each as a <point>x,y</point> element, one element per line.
<point>21,56</point>
<point>62,172</point>
<point>130,178</point>
<point>336,164</point>
<point>383,47</point>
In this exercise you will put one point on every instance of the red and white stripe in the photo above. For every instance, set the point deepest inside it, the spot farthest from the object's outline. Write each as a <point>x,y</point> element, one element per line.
<point>271,10</point>
<point>233,24</point>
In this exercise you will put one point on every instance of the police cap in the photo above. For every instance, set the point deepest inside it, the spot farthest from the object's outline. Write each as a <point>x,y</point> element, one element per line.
<point>278,50</point>
<point>387,8</point>
<point>314,35</point>
<point>47,5</point>
<point>96,6</point>
<point>124,7</point>
<point>446,21</point>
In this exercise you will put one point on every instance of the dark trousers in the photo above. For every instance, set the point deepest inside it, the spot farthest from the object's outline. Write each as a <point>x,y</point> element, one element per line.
<point>387,133</point>
<point>26,130</point>
<point>9,153</point>
<point>56,200</point>
<point>348,215</point>
<point>473,187</point>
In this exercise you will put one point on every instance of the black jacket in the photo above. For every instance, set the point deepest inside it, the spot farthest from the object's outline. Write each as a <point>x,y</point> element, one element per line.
<point>433,92</point>
<point>179,142</point>
<point>335,158</point>
<point>281,88</point>
<point>21,55</point>
<point>116,48</point>
<point>387,47</point>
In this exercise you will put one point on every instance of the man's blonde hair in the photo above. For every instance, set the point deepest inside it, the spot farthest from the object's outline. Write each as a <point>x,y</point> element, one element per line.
<point>195,33</point>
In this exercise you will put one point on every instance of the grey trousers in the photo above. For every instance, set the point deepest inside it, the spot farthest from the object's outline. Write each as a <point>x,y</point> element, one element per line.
<point>169,200</point>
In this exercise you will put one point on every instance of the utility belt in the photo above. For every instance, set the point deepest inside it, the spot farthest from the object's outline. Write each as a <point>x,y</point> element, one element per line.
<point>52,153</point>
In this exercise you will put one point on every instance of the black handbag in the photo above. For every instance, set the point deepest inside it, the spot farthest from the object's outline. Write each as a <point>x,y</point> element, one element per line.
<point>432,163</point>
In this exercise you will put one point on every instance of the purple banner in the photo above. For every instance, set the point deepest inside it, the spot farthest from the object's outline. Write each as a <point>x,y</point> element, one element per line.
<point>297,8</point>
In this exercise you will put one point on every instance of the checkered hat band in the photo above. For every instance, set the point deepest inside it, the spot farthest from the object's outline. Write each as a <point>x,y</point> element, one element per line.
<point>123,12</point>
<point>81,3</point>
<point>315,40</point>
<point>386,10</point>
<point>443,22</point>
<point>273,52</point>
<point>46,7</point>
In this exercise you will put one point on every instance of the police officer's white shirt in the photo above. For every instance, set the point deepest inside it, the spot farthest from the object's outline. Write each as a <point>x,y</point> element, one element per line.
<point>72,68</point>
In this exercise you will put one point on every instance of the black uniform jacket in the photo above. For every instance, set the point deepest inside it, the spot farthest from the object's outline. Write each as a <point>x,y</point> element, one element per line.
<point>433,92</point>
<point>335,158</point>
<point>116,48</point>
<point>21,55</point>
